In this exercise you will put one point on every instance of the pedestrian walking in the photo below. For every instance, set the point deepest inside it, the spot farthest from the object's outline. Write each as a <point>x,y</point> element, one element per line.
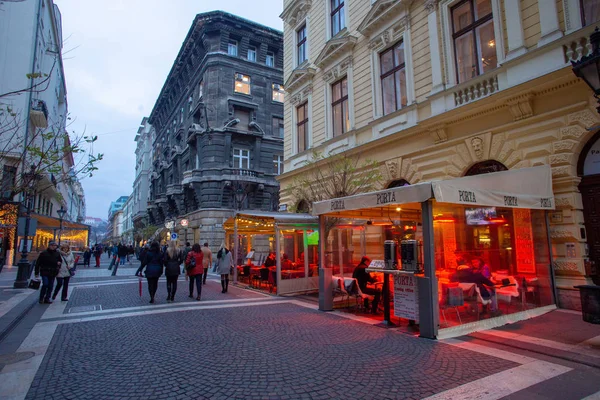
<point>186,251</point>
<point>97,254</point>
<point>206,261</point>
<point>225,263</point>
<point>172,260</point>
<point>87,255</point>
<point>153,263</point>
<point>122,253</point>
<point>143,252</point>
<point>47,265</point>
<point>195,269</point>
<point>64,274</point>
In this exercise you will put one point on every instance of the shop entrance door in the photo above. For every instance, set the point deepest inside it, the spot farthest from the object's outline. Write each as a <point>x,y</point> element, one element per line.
<point>590,194</point>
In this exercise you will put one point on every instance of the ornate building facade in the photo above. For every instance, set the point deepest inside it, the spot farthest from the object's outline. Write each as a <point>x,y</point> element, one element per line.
<point>440,89</point>
<point>219,127</point>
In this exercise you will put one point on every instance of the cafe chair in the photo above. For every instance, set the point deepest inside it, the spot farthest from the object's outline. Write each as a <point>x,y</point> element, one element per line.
<point>360,297</point>
<point>480,300</point>
<point>531,287</point>
<point>340,290</point>
<point>264,276</point>
<point>452,297</point>
<point>508,290</point>
<point>273,281</point>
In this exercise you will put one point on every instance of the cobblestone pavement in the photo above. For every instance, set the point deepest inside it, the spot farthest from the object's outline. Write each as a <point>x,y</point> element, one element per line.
<point>127,295</point>
<point>270,351</point>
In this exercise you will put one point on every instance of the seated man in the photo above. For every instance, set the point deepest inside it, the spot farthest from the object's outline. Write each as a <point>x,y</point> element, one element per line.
<point>271,260</point>
<point>286,263</point>
<point>363,278</point>
<point>466,274</point>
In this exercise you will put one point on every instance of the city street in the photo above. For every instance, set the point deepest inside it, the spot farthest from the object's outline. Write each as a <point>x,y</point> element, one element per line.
<point>107,343</point>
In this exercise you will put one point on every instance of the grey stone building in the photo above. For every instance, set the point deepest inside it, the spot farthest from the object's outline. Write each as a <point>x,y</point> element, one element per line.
<point>219,127</point>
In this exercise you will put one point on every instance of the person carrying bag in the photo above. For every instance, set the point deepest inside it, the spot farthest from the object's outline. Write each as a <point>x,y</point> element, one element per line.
<point>195,270</point>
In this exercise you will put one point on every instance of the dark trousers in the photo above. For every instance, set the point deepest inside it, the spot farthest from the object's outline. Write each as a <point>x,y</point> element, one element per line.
<point>198,279</point>
<point>64,283</point>
<point>152,286</point>
<point>47,285</point>
<point>97,261</point>
<point>205,274</point>
<point>225,282</point>
<point>86,262</point>
<point>373,292</point>
<point>171,286</point>
<point>115,268</point>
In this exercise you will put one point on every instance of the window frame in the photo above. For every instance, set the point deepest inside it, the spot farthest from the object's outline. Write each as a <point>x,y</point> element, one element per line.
<point>277,164</point>
<point>235,81</point>
<point>471,28</point>
<point>583,20</point>
<point>279,133</point>
<point>337,13</point>
<point>301,44</point>
<point>340,102</point>
<point>392,72</point>
<point>277,89</point>
<point>251,50</point>
<point>241,157</point>
<point>270,54</point>
<point>232,44</point>
<point>304,124</point>
<point>200,89</point>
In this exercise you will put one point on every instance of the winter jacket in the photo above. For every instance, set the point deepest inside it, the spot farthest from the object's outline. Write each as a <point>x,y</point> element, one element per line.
<point>68,261</point>
<point>198,269</point>
<point>224,263</point>
<point>47,263</point>
<point>86,256</point>
<point>172,264</point>
<point>153,262</point>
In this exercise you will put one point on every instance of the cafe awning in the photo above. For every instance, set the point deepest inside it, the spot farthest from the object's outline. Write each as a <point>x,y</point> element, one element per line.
<point>264,222</point>
<point>50,223</point>
<point>517,188</point>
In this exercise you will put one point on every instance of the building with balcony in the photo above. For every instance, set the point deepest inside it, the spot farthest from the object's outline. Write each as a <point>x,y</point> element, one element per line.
<point>33,103</point>
<point>218,124</point>
<point>439,89</point>
<point>143,159</point>
<point>115,219</point>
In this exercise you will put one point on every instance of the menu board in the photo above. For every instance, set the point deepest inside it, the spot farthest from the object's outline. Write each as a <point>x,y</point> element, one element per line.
<point>523,241</point>
<point>406,297</point>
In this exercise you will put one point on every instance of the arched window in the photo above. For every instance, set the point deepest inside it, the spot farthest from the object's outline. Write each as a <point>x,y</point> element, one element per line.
<point>302,207</point>
<point>398,183</point>
<point>486,167</point>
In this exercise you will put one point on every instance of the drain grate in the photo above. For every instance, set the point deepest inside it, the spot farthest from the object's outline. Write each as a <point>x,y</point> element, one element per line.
<point>95,307</point>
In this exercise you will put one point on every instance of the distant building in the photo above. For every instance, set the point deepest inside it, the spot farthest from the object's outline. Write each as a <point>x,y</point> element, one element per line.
<point>219,127</point>
<point>93,221</point>
<point>115,218</point>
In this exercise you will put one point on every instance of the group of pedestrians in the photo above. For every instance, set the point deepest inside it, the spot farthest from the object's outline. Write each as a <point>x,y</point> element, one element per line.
<point>55,265</point>
<point>196,261</point>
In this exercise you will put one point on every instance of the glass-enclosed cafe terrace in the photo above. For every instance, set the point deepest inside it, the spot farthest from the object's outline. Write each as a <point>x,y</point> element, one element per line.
<point>443,258</point>
<point>275,252</point>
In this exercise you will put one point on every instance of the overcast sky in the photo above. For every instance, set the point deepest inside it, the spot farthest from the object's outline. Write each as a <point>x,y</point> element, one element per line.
<point>117,54</point>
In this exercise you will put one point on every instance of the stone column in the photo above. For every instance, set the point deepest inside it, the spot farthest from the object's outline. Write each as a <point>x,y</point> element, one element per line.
<point>434,46</point>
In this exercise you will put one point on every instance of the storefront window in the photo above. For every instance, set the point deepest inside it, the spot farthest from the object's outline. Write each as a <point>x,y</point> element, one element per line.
<point>490,261</point>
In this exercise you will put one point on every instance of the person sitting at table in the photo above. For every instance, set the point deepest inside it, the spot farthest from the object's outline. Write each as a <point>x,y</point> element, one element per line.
<point>271,261</point>
<point>286,263</point>
<point>466,274</point>
<point>480,266</point>
<point>363,278</point>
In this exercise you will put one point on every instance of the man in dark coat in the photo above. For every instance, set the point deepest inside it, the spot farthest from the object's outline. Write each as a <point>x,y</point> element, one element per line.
<point>466,274</point>
<point>363,278</point>
<point>48,265</point>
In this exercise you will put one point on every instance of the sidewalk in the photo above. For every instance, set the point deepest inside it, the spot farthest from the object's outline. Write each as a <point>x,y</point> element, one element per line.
<point>560,333</point>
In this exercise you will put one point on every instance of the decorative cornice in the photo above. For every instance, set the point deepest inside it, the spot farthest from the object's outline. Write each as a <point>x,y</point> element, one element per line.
<point>334,48</point>
<point>382,11</point>
<point>431,6</point>
<point>521,106</point>
<point>296,11</point>
<point>301,96</point>
<point>391,35</point>
<point>299,77</point>
<point>337,71</point>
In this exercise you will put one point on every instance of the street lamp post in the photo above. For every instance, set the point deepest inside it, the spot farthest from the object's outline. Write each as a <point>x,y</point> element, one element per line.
<point>29,180</point>
<point>61,214</point>
<point>588,68</point>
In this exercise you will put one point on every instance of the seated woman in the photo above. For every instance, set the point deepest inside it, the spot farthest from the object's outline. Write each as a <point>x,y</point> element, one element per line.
<point>480,266</point>
<point>466,274</point>
<point>271,260</point>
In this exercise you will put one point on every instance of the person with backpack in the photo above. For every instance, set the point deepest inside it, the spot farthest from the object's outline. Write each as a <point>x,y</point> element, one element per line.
<point>195,269</point>
<point>153,263</point>
<point>172,260</point>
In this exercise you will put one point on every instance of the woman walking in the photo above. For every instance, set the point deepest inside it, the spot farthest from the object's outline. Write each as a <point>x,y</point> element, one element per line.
<point>173,259</point>
<point>153,263</point>
<point>224,264</point>
<point>195,269</point>
<point>64,274</point>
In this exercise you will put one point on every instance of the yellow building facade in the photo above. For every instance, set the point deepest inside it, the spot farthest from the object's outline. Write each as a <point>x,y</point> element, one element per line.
<point>440,89</point>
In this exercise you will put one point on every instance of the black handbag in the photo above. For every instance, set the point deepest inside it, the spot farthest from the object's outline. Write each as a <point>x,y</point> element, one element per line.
<point>34,284</point>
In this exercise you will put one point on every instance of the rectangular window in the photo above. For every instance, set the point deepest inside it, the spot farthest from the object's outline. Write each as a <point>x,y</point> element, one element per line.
<point>301,44</point>
<point>338,20</point>
<point>243,115</point>
<point>474,41</point>
<point>9,175</point>
<point>190,104</point>
<point>590,11</point>
<point>302,126</point>
<point>200,89</point>
<point>232,48</point>
<point>278,165</point>
<point>393,78</point>
<point>278,92</point>
<point>339,107</point>
<point>270,61</point>
<point>242,83</point>
<point>181,115</point>
<point>241,158</point>
<point>277,127</point>
<point>252,54</point>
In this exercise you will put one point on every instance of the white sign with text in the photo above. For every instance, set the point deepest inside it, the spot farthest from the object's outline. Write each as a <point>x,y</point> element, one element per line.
<point>406,299</point>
